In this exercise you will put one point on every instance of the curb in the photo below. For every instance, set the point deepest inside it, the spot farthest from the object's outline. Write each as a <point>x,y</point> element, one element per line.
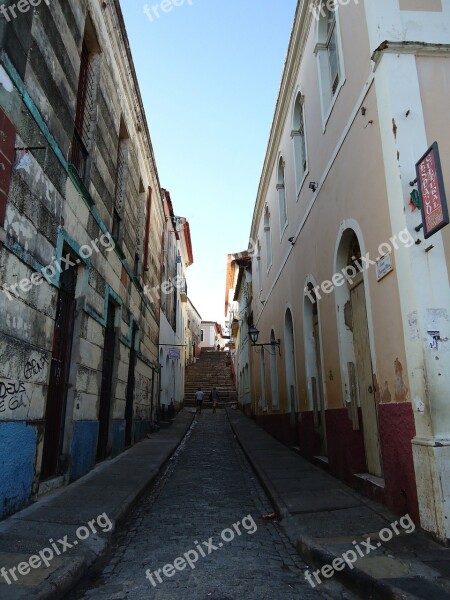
<point>355,579</point>
<point>64,579</point>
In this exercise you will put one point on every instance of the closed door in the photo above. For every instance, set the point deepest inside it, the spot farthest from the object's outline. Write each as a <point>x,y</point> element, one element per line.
<point>129,407</point>
<point>365,380</point>
<point>55,410</point>
<point>106,390</point>
<point>319,395</point>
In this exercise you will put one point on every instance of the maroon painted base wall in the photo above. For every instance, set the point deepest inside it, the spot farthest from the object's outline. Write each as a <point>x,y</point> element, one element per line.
<point>346,453</point>
<point>397,428</point>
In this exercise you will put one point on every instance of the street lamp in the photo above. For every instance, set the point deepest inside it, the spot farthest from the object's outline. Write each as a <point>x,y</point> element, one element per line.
<point>253,334</point>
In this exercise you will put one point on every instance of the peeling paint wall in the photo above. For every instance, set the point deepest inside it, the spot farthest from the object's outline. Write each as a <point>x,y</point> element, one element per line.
<point>50,212</point>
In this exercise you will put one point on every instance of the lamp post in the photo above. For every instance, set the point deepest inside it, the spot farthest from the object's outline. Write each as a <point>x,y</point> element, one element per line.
<point>253,334</point>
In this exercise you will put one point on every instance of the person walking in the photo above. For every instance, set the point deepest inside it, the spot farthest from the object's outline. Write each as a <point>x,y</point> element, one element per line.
<point>199,395</point>
<point>214,397</point>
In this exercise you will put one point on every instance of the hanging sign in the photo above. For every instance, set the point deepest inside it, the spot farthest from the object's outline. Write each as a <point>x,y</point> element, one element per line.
<point>432,192</point>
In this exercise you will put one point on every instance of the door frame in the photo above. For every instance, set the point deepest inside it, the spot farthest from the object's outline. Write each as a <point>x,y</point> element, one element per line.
<point>347,230</point>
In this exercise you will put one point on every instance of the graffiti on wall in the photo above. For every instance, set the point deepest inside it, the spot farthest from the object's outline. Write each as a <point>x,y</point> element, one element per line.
<point>13,396</point>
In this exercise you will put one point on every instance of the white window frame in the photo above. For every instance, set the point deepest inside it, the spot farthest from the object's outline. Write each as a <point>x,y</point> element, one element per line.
<point>327,98</point>
<point>282,198</point>
<point>268,239</point>
<point>296,133</point>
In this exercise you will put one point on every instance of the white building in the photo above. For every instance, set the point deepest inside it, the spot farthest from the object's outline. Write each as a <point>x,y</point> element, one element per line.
<point>174,341</point>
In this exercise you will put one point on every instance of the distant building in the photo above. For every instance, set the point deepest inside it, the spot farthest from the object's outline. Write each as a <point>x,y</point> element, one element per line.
<point>193,333</point>
<point>211,336</point>
<point>238,294</point>
<point>174,340</point>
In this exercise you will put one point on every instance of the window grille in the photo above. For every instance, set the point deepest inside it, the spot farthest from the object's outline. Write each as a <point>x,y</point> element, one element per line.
<point>85,112</point>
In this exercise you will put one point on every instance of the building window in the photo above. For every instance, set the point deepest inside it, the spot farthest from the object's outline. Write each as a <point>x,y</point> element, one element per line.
<point>299,140</point>
<point>329,56</point>
<point>137,265</point>
<point>202,335</point>
<point>332,51</point>
<point>281,187</point>
<point>121,181</point>
<point>86,105</point>
<point>263,381</point>
<point>273,372</point>
<point>268,236</point>
<point>259,268</point>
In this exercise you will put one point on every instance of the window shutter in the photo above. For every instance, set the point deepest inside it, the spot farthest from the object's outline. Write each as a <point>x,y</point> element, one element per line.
<point>7,145</point>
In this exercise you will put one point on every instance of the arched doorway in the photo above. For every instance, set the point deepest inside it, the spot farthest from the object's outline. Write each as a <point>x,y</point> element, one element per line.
<point>289,351</point>
<point>355,347</point>
<point>314,370</point>
<point>273,372</point>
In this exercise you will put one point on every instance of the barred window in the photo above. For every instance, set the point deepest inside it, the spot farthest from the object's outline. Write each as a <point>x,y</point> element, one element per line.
<point>86,103</point>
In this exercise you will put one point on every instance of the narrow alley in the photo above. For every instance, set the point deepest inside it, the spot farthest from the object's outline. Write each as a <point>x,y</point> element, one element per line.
<point>207,487</point>
<point>224,300</point>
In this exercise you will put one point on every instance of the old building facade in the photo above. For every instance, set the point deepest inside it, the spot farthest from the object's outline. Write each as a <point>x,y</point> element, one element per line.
<point>238,294</point>
<point>81,221</point>
<point>173,352</point>
<point>193,332</point>
<point>341,273</point>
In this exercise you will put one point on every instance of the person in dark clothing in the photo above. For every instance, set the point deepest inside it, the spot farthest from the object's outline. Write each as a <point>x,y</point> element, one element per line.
<point>199,397</point>
<point>214,397</point>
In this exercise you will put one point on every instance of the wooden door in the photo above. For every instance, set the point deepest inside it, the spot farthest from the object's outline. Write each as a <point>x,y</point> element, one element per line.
<point>365,380</point>
<point>129,408</point>
<point>55,410</point>
<point>106,390</point>
<point>319,383</point>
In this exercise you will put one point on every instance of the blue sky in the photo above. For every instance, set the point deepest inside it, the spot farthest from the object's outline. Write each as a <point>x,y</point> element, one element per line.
<point>209,73</point>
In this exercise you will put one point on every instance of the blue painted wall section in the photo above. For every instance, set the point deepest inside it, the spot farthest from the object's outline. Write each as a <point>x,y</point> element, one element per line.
<point>17,464</point>
<point>84,448</point>
<point>141,428</point>
<point>118,436</point>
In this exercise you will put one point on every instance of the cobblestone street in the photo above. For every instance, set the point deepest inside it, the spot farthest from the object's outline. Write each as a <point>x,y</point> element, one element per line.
<point>207,487</point>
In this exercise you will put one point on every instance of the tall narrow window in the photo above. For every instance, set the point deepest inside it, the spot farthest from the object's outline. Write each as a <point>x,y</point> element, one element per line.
<point>330,59</point>
<point>86,105</point>
<point>121,182</point>
<point>299,139</point>
<point>268,237</point>
<point>259,268</point>
<point>263,381</point>
<point>273,372</point>
<point>147,230</point>
<point>333,58</point>
<point>281,187</point>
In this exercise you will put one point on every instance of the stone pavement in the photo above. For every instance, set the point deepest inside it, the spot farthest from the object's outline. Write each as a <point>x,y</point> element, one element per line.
<point>111,488</point>
<point>208,487</point>
<point>323,517</point>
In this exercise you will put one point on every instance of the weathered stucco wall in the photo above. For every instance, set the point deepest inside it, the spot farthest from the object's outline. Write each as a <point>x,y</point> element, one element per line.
<point>50,212</point>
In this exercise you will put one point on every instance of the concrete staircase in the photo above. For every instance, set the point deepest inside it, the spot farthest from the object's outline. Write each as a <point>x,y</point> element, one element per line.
<point>212,369</point>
